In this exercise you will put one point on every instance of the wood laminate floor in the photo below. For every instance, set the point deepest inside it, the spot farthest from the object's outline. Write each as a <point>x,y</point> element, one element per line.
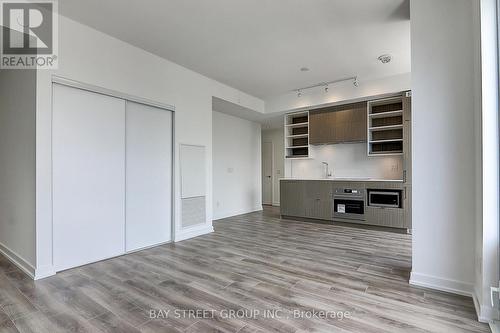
<point>256,273</point>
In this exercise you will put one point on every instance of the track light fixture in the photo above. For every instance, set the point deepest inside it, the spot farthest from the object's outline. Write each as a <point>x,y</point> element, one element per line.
<point>354,80</point>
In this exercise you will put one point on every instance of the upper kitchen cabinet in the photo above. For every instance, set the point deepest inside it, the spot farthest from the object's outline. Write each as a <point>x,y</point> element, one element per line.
<point>386,126</point>
<point>338,124</point>
<point>297,135</point>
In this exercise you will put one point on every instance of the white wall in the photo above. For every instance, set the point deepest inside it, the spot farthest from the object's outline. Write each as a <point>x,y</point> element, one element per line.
<point>92,57</point>
<point>17,166</point>
<point>443,144</point>
<point>487,257</point>
<point>277,138</point>
<point>236,156</point>
<point>339,92</point>
<point>346,160</point>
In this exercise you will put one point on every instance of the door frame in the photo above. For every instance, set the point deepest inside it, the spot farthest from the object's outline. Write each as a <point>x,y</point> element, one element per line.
<point>272,172</point>
<point>127,98</point>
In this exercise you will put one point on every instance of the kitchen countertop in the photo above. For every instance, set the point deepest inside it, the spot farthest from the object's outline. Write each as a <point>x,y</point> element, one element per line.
<point>346,179</point>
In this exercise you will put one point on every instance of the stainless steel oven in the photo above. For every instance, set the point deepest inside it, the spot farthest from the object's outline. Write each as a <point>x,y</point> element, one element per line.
<point>384,198</point>
<point>349,203</point>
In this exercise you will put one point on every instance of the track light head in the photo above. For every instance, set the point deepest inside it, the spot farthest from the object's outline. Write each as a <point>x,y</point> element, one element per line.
<point>299,93</point>
<point>356,82</point>
<point>326,89</point>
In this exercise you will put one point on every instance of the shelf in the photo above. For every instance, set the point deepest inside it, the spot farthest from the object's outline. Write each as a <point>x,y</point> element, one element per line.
<point>384,141</point>
<point>297,136</point>
<point>297,125</point>
<point>386,114</point>
<point>298,114</point>
<point>293,147</point>
<point>386,153</point>
<point>385,128</point>
<point>298,156</point>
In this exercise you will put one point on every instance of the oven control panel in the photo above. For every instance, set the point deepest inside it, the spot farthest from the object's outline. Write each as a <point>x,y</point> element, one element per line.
<point>349,191</point>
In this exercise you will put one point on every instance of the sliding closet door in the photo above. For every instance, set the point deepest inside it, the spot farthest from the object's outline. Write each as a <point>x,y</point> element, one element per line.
<point>149,176</point>
<point>88,176</point>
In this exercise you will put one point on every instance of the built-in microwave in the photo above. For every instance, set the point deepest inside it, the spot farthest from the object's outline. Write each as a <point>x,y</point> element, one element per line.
<point>384,198</point>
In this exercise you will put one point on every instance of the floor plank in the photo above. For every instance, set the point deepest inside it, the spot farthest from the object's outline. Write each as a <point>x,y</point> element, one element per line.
<point>255,273</point>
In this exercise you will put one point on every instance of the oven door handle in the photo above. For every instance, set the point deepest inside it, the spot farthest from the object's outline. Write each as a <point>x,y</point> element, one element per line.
<point>342,197</point>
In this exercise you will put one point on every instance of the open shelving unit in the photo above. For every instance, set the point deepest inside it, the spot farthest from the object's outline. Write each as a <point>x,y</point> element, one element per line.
<point>297,135</point>
<point>385,127</point>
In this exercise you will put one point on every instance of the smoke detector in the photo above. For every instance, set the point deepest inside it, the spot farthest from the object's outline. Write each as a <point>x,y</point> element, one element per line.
<point>385,58</point>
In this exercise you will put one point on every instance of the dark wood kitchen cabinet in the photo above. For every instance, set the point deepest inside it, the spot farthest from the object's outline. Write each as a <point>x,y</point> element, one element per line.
<point>338,124</point>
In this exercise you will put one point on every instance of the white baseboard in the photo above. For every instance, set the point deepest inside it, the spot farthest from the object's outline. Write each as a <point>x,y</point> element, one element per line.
<point>44,272</point>
<point>231,213</point>
<point>276,204</point>
<point>194,231</point>
<point>17,260</point>
<point>448,285</point>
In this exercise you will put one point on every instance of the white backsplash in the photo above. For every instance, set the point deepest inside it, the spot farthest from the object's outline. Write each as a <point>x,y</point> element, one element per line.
<point>346,160</point>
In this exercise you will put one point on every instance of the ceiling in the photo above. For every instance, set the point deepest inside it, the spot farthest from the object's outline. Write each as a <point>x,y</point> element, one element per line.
<point>259,46</point>
<point>268,121</point>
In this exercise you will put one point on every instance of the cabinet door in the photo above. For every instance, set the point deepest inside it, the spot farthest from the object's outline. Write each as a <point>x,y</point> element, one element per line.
<point>356,125</point>
<point>292,198</point>
<point>386,217</point>
<point>344,123</point>
<point>318,200</point>
<point>320,127</point>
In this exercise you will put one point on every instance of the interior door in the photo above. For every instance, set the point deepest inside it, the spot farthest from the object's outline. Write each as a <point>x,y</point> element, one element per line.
<point>148,176</point>
<point>267,173</point>
<point>88,148</point>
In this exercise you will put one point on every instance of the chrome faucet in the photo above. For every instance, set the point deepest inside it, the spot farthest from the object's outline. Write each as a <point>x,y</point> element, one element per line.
<point>328,173</point>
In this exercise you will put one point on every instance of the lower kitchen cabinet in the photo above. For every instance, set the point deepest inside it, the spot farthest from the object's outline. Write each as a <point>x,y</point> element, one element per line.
<point>318,201</point>
<point>313,199</point>
<point>292,195</point>
<point>385,217</point>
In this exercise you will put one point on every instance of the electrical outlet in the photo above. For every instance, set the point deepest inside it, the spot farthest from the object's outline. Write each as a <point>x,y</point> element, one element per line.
<point>217,203</point>
<point>230,170</point>
<point>395,167</point>
<point>278,172</point>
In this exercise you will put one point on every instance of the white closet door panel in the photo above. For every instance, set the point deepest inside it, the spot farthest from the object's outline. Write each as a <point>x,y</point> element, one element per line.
<point>88,177</point>
<point>149,176</point>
